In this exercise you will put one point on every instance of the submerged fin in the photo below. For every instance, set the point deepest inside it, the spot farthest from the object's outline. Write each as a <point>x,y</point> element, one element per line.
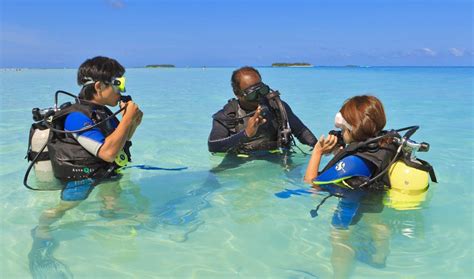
<point>364,253</point>
<point>42,263</point>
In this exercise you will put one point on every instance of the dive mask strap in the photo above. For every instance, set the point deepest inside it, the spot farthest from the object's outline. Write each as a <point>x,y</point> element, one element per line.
<point>341,123</point>
<point>89,81</point>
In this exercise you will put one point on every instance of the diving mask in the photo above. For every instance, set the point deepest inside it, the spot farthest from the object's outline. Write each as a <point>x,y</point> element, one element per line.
<point>341,123</point>
<point>255,92</point>
<point>119,84</point>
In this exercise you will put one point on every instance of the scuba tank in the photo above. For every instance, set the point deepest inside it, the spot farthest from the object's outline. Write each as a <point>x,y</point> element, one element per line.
<point>404,176</point>
<point>42,166</point>
<point>42,134</point>
<point>37,151</point>
<point>409,178</point>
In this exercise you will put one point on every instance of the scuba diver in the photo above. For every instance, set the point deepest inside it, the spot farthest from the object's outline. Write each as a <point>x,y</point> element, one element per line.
<point>84,145</point>
<point>368,162</point>
<point>257,122</point>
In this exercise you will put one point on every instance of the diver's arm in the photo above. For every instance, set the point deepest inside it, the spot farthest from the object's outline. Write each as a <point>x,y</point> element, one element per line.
<point>313,166</point>
<point>135,124</point>
<point>132,131</point>
<point>304,135</point>
<point>220,139</point>
<point>115,141</point>
<point>323,146</point>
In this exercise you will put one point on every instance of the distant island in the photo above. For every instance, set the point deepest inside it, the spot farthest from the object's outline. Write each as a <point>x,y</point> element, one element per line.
<point>292,64</point>
<point>160,66</point>
<point>352,66</point>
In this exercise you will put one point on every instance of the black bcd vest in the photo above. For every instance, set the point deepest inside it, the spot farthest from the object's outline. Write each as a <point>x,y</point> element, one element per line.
<point>232,116</point>
<point>380,157</point>
<point>70,161</point>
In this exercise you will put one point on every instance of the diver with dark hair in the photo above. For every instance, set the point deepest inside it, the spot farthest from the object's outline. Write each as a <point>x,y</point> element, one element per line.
<point>257,120</point>
<point>86,146</point>
<point>368,162</point>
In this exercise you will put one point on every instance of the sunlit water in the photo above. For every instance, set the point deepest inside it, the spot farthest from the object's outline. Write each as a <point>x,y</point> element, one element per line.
<point>197,223</point>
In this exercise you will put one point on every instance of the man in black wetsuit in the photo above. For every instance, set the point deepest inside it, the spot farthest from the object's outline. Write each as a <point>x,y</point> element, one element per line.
<point>257,120</point>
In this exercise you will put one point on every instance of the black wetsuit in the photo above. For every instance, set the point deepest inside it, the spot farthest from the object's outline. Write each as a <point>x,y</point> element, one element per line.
<point>228,132</point>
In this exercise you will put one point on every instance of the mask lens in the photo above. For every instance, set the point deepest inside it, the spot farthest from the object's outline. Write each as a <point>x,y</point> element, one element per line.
<point>252,96</point>
<point>255,92</point>
<point>264,90</point>
<point>119,83</point>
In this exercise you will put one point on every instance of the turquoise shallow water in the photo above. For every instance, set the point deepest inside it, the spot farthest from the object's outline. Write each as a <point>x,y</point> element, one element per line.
<point>195,223</point>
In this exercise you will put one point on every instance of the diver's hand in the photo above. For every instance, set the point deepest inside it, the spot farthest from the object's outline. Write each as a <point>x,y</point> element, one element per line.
<point>325,145</point>
<point>254,121</point>
<point>121,105</point>
<point>132,112</point>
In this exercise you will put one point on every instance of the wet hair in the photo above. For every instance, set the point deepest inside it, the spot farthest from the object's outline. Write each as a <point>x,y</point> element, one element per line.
<point>365,114</point>
<point>99,68</point>
<point>237,75</point>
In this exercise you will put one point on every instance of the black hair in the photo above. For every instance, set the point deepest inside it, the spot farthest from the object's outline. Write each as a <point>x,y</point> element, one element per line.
<point>99,68</point>
<point>237,74</point>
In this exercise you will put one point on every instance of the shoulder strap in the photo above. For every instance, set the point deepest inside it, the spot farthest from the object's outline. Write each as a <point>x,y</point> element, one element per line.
<point>285,137</point>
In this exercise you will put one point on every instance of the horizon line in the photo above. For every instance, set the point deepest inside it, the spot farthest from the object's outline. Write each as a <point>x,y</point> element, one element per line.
<point>261,66</point>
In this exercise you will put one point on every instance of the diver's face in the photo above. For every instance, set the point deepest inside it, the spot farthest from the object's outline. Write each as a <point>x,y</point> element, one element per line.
<point>108,95</point>
<point>248,80</point>
<point>346,135</point>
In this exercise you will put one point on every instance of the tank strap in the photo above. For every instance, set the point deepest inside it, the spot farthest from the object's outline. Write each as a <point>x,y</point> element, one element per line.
<point>43,156</point>
<point>424,166</point>
<point>285,137</point>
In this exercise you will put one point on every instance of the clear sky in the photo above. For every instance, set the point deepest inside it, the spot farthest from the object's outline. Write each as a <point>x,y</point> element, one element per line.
<point>63,33</point>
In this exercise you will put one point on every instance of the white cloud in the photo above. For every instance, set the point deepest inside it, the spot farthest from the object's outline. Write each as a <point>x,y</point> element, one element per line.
<point>419,52</point>
<point>428,52</point>
<point>456,52</point>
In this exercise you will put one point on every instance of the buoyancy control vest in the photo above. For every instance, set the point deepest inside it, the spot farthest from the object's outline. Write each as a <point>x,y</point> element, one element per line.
<point>379,157</point>
<point>69,160</point>
<point>394,167</point>
<point>383,156</point>
<point>269,135</point>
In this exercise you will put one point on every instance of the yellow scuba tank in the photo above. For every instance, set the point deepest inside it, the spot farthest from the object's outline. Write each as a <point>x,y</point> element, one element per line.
<point>409,185</point>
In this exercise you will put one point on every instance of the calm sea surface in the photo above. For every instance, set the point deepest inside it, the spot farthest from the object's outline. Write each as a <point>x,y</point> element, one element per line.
<point>202,224</point>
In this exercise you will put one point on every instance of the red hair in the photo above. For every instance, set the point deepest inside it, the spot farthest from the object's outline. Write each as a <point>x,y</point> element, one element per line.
<point>365,114</point>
